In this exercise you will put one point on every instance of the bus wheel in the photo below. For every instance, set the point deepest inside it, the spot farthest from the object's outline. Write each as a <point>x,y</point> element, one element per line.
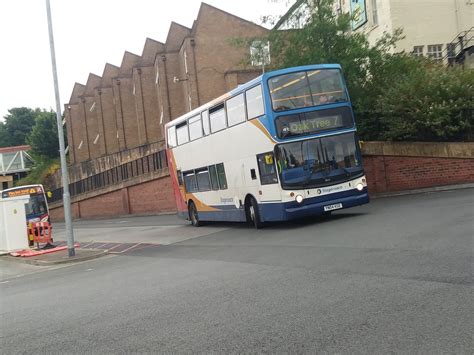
<point>254,214</point>
<point>193,215</point>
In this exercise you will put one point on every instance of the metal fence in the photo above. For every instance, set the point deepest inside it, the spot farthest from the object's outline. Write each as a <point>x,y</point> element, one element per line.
<point>147,164</point>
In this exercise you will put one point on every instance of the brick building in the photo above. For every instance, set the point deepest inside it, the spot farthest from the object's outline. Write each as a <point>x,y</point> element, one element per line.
<point>128,105</point>
<point>115,121</point>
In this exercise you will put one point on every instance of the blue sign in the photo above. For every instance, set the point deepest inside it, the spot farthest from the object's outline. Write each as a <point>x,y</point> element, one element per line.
<point>358,13</point>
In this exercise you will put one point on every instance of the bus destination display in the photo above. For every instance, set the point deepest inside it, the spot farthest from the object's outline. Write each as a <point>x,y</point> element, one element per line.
<point>312,122</point>
<point>21,192</point>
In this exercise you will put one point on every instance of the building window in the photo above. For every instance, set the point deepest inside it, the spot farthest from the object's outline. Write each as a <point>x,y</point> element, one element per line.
<point>435,51</point>
<point>418,51</point>
<point>375,18</point>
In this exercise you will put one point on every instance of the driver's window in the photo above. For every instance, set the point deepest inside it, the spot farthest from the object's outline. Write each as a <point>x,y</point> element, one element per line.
<point>266,167</point>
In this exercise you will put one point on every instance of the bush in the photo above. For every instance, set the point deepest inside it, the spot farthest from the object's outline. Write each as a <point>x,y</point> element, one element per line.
<point>431,104</point>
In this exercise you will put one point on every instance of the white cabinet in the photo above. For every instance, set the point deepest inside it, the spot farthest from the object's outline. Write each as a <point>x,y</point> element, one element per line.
<point>13,229</point>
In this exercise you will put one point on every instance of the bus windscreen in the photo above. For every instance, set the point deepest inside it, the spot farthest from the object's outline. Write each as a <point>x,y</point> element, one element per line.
<point>318,162</point>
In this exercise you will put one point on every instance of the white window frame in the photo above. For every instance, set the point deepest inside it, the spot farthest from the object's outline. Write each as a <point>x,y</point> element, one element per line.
<point>418,51</point>
<point>435,51</point>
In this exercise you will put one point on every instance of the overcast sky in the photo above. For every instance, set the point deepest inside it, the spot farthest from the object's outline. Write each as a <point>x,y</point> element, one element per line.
<point>87,35</point>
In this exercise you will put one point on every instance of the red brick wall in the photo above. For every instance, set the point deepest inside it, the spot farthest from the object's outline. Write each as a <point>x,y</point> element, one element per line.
<point>110,204</point>
<point>151,197</point>
<point>398,173</point>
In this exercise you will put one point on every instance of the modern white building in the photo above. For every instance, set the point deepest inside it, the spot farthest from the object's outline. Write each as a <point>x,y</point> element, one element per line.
<point>433,28</point>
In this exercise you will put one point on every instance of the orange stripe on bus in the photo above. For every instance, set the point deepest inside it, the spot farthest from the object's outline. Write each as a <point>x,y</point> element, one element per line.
<point>201,206</point>
<point>262,128</point>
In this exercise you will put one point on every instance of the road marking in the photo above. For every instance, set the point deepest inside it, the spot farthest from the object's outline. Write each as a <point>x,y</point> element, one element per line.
<point>4,282</point>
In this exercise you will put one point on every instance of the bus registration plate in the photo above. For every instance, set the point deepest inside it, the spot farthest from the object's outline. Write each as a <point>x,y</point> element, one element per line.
<point>333,207</point>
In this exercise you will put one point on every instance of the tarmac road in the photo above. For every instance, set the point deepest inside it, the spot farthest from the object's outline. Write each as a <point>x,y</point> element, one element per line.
<point>395,275</point>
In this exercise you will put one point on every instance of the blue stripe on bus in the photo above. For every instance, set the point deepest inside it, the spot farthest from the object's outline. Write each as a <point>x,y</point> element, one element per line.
<point>279,211</point>
<point>312,206</point>
<point>234,215</point>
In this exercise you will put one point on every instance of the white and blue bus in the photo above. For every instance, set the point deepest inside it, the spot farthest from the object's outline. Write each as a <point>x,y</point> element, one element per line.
<point>279,147</point>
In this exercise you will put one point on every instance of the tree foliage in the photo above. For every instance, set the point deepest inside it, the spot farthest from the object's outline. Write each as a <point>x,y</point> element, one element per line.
<point>43,137</point>
<point>395,96</point>
<point>35,127</point>
<point>17,125</point>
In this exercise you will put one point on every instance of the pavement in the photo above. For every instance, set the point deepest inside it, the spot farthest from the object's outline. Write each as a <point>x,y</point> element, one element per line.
<point>393,276</point>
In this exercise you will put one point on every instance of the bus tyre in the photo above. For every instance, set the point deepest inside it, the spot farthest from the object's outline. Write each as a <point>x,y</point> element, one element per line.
<point>193,215</point>
<point>254,214</point>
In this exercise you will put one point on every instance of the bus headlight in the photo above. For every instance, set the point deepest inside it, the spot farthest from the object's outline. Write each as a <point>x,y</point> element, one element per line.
<point>299,198</point>
<point>359,186</point>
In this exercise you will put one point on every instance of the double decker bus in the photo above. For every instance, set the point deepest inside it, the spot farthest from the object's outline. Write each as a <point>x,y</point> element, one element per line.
<point>280,147</point>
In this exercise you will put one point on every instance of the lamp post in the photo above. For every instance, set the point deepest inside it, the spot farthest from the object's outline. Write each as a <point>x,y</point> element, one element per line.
<point>62,151</point>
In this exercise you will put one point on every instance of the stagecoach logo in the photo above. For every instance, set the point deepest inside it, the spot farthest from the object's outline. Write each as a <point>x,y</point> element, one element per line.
<point>327,190</point>
<point>21,192</point>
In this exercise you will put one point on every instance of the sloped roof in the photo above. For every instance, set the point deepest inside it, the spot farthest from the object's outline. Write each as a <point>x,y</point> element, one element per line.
<point>176,35</point>
<point>77,91</point>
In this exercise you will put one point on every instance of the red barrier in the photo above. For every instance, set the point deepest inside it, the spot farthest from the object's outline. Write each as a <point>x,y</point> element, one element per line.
<point>42,232</point>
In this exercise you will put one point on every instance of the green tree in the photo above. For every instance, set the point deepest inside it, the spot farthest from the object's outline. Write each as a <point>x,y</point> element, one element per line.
<point>17,125</point>
<point>44,135</point>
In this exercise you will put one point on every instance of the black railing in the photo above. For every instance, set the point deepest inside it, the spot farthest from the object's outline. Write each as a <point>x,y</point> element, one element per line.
<point>147,164</point>
<point>455,50</point>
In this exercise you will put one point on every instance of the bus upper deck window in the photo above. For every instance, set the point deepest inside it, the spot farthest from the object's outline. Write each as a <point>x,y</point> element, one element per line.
<point>254,99</point>
<point>172,136</point>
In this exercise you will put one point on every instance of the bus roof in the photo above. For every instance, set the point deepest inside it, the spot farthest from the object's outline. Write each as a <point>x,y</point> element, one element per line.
<point>23,187</point>
<point>246,86</point>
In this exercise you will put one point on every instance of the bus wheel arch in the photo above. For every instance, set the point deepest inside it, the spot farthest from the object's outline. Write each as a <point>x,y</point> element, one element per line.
<point>252,212</point>
<point>193,214</point>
